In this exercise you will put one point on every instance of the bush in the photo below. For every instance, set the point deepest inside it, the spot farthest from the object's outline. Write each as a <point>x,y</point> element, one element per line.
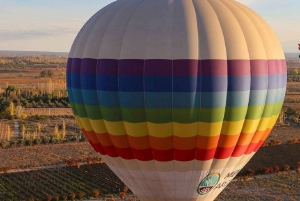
<point>5,144</point>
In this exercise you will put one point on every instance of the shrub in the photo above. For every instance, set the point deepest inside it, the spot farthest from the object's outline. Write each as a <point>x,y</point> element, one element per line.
<point>286,167</point>
<point>96,193</point>
<point>81,195</point>
<point>48,198</point>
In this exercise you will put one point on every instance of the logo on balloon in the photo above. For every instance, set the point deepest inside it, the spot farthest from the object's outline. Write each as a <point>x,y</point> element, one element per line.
<point>208,183</point>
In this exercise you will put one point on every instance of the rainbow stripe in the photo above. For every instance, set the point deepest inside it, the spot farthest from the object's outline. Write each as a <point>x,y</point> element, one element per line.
<point>176,110</point>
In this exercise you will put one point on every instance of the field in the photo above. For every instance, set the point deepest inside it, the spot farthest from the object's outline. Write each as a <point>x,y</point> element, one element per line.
<point>55,178</point>
<point>61,182</point>
<point>274,188</point>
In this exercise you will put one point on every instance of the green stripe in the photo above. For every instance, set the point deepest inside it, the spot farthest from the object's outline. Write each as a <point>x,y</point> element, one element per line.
<point>179,115</point>
<point>211,115</point>
<point>235,113</point>
<point>74,108</point>
<point>272,109</point>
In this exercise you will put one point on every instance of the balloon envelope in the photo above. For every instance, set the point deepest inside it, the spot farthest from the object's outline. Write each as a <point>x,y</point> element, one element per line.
<point>176,95</point>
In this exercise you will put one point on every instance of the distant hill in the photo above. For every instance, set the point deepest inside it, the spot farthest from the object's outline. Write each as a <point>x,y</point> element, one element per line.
<point>291,55</point>
<point>31,53</point>
<point>13,52</point>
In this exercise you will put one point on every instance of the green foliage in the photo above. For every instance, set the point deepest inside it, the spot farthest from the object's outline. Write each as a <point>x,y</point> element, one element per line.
<point>47,73</point>
<point>290,111</point>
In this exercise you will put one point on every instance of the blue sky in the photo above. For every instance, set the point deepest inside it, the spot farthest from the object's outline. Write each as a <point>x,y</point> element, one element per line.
<point>44,25</point>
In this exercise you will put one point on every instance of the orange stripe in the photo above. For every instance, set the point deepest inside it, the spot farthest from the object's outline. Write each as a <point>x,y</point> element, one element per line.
<point>90,135</point>
<point>140,143</point>
<point>227,141</point>
<point>120,141</point>
<point>104,139</point>
<point>257,136</point>
<point>185,143</point>
<point>165,143</point>
<point>204,142</point>
<point>245,139</point>
<point>266,134</point>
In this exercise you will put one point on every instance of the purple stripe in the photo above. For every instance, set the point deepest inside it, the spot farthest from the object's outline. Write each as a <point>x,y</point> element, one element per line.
<point>213,67</point>
<point>107,67</point>
<point>160,67</point>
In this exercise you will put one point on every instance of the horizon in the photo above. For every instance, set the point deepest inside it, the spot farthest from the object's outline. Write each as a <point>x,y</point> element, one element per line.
<point>50,27</point>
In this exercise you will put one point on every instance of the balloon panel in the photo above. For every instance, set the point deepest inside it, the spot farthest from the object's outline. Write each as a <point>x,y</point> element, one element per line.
<point>176,96</point>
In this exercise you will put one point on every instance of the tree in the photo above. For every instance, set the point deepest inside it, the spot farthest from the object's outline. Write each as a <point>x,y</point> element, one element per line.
<point>9,89</point>
<point>290,111</point>
<point>47,73</point>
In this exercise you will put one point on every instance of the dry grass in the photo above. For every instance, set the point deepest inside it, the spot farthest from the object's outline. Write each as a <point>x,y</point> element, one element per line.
<point>277,188</point>
<point>45,154</point>
<point>48,111</point>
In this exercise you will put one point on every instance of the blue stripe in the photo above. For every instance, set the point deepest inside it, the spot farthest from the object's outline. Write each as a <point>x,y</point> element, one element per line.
<point>213,99</point>
<point>237,99</point>
<point>77,96</point>
<point>176,83</point>
<point>88,82</point>
<point>132,99</point>
<point>108,98</point>
<point>89,97</point>
<point>158,100</point>
<point>258,97</point>
<point>107,83</point>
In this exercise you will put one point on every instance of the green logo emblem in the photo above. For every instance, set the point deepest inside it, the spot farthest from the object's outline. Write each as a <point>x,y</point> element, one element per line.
<point>208,183</point>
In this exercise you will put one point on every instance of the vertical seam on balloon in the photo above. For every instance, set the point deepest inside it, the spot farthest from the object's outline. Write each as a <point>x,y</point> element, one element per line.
<point>249,86</point>
<point>172,111</point>
<point>267,64</point>
<point>120,159</point>
<point>154,160</point>
<point>272,35</point>
<point>135,160</point>
<point>200,95</point>
<point>85,46</point>
<point>214,191</point>
<point>227,80</point>
<point>85,39</point>
<point>99,106</point>
<point>78,37</point>
<point>237,5</point>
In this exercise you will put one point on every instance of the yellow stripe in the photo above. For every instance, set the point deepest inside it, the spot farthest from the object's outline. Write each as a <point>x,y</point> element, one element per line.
<point>250,126</point>
<point>264,123</point>
<point>136,129</point>
<point>273,121</point>
<point>232,127</point>
<point>86,124</point>
<point>160,130</point>
<point>98,126</point>
<point>115,128</point>
<point>185,130</point>
<point>209,129</point>
<point>77,118</point>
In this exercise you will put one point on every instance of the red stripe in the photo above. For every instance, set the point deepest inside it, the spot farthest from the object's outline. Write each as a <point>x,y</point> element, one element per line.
<point>251,148</point>
<point>223,153</point>
<point>98,148</point>
<point>176,154</point>
<point>205,154</point>
<point>258,145</point>
<point>184,155</point>
<point>239,150</point>
<point>142,155</point>
<point>125,153</point>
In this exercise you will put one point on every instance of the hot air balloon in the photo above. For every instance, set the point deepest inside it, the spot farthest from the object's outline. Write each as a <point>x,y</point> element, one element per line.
<point>176,95</point>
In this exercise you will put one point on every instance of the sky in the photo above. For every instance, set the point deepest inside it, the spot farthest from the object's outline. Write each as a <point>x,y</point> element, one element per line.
<point>44,25</point>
